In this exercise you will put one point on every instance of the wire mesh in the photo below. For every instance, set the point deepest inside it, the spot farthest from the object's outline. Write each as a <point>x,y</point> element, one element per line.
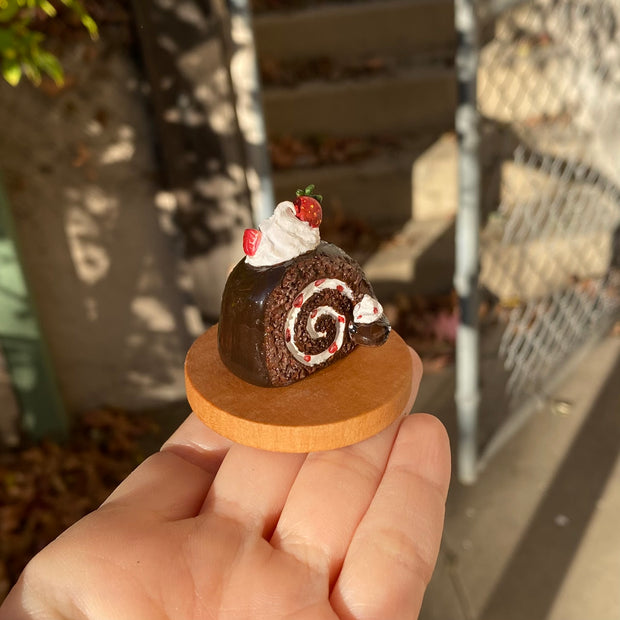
<point>549,103</point>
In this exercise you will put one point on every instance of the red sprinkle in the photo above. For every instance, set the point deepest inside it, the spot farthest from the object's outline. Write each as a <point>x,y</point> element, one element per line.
<point>340,288</point>
<point>333,347</point>
<point>313,313</point>
<point>307,358</point>
<point>288,335</point>
<point>341,319</point>
<point>299,300</point>
<point>319,282</point>
<point>375,310</point>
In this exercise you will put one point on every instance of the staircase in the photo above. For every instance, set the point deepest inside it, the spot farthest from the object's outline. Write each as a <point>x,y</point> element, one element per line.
<point>359,99</point>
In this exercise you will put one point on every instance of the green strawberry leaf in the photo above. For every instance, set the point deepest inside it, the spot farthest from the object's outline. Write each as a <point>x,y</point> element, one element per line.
<point>309,192</point>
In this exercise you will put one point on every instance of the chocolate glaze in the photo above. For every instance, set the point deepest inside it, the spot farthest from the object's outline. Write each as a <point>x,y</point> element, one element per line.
<point>241,330</point>
<point>370,334</point>
<point>252,292</point>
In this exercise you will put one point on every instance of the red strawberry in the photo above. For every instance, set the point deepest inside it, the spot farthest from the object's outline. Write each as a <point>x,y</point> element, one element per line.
<point>308,206</point>
<point>308,209</point>
<point>251,241</point>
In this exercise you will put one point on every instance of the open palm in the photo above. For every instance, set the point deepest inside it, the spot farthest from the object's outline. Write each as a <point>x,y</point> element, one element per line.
<point>209,529</point>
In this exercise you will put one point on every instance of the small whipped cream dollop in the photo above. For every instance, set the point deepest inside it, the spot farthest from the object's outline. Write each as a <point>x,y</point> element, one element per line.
<point>367,310</point>
<point>283,237</point>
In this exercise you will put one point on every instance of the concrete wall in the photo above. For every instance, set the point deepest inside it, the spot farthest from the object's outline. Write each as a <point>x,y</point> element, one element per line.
<point>80,174</point>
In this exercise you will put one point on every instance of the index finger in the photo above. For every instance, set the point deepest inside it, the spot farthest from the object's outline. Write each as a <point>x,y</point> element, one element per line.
<point>195,442</point>
<point>174,481</point>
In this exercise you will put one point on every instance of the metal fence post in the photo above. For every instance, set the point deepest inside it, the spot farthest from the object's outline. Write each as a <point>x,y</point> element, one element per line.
<point>467,243</point>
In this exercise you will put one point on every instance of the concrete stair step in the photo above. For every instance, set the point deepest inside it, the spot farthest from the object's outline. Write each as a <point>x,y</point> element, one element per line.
<point>386,191</point>
<point>412,100</point>
<point>419,260</point>
<point>406,193</point>
<point>412,195</point>
<point>519,272</point>
<point>396,27</point>
<point>549,232</point>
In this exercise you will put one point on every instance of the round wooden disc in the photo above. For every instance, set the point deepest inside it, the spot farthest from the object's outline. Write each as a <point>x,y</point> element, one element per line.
<point>351,400</point>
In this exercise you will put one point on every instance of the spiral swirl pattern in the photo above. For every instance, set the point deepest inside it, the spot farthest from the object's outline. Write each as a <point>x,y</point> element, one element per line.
<point>311,326</point>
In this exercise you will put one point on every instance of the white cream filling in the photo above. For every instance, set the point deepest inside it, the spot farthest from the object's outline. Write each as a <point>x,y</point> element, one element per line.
<point>368,310</point>
<point>315,315</point>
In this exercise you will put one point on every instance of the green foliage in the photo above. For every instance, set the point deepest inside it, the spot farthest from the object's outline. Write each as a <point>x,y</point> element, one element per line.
<point>21,46</point>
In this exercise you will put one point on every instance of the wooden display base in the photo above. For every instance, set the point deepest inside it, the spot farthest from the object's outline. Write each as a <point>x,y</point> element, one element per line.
<point>351,400</point>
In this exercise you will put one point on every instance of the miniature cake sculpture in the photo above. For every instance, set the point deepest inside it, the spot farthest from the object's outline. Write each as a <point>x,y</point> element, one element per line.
<point>295,304</point>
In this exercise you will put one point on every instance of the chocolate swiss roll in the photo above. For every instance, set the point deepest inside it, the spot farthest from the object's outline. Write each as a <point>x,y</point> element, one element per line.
<point>287,313</point>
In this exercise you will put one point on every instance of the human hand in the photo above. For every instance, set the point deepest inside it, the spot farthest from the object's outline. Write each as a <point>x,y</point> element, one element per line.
<point>209,529</point>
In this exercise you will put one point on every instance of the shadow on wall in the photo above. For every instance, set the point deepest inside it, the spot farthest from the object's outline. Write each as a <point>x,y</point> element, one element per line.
<point>80,178</point>
<point>200,145</point>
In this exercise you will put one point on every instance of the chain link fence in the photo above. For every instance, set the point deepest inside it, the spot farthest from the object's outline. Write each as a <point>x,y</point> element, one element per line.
<point>548,102</point>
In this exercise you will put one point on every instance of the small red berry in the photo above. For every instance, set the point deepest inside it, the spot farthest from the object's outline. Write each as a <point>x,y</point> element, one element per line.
<point>308,209</point>
<point>333,347</point>
<point>299,300</point>
<point>307,358</point>
<point>251,241</point>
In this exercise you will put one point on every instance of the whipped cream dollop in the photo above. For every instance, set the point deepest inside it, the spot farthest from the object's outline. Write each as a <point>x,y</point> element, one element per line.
<point>367,310</point>
<point>283,237</point>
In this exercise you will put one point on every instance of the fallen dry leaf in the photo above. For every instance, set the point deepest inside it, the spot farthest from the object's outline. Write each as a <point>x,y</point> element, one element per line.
<point>46,487</point>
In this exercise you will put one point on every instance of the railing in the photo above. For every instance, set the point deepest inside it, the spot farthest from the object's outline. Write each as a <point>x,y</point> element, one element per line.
<point>540,194</point>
